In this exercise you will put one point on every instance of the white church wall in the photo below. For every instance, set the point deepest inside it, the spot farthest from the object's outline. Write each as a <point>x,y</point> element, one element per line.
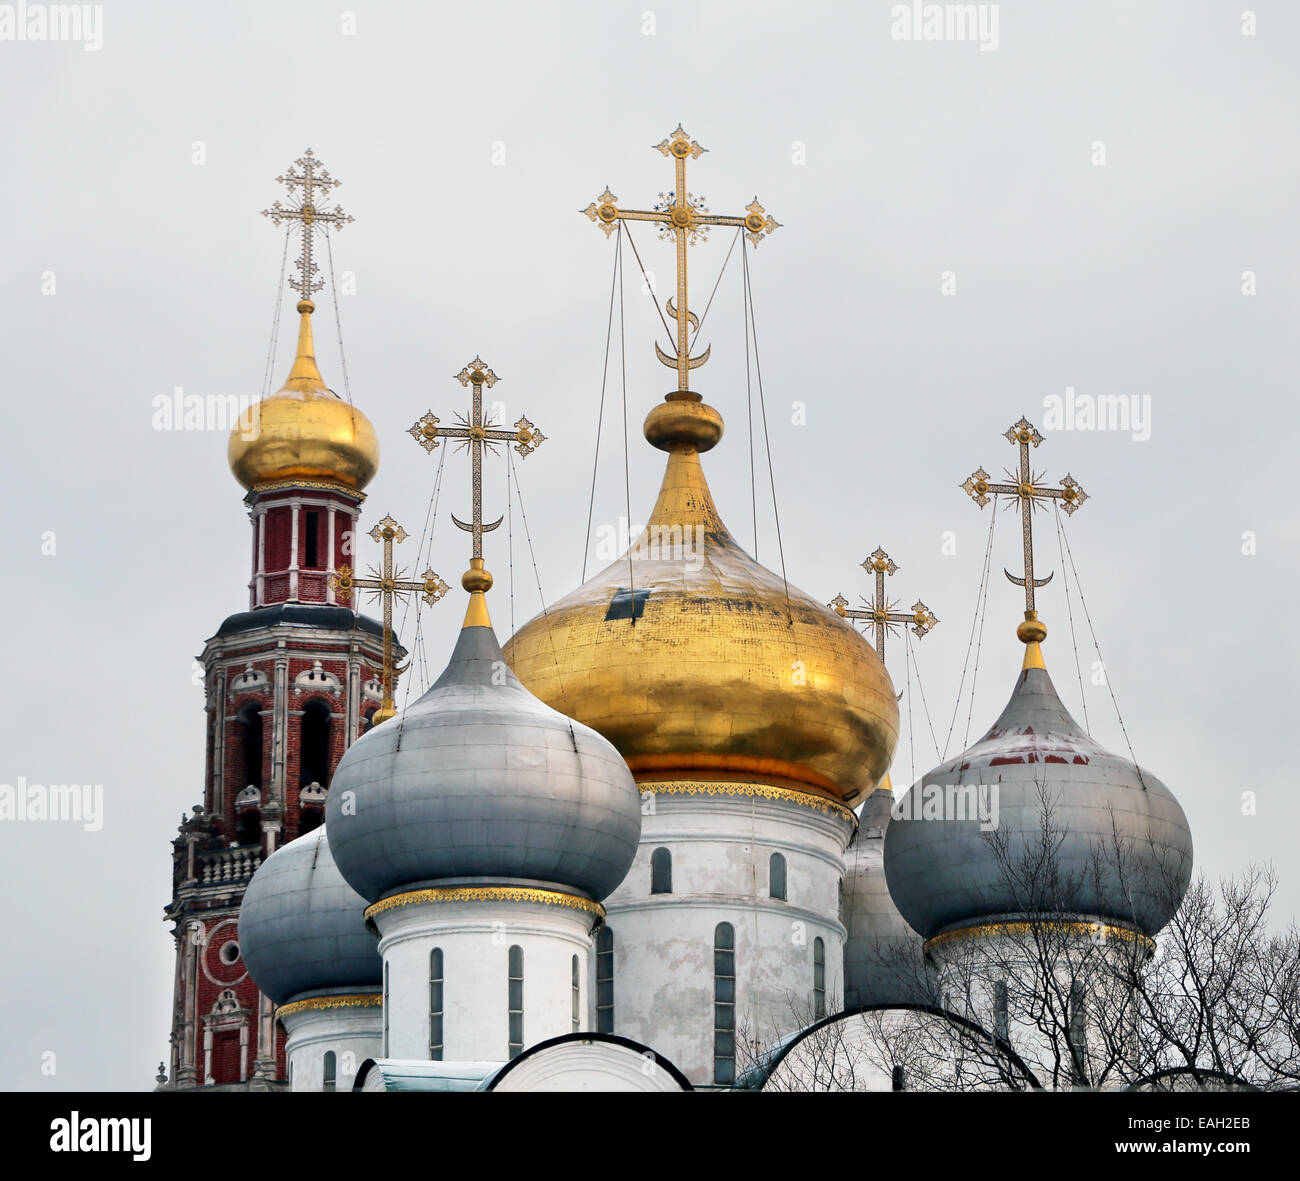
<point>352,1034</point>
<point>475,938</point>
<point>721,847</point>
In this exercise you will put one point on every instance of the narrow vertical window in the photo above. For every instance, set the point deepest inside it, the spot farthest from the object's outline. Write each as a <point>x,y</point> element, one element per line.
<point>314,744</point>
<point>329,1071</point>
<point>605,981</point>
<point>311,555</point>
<point>577,997</point>
<point>1001,1024</point>
<point>1077,1034</point>
<point>898,1080</point>
<point>516,1001</point>
<point>661,872</point>
<point>776,876</point>
<point>819,979</point>
<point>385,1009</point>
<point>249,719</point>
<point>435,1005</point>
<point>724,1004</point>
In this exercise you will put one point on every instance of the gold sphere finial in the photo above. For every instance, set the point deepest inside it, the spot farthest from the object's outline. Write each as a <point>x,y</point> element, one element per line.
<point>305,307</point>
<point>478,582</point>
<point>1033,630</point>
<point>476,578</point>
<point>683,421</point>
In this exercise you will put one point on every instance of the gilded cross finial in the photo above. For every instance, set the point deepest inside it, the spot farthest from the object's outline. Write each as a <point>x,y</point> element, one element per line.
<point>880,614</point>
<point>1026,486</point>
<point>308,182</point>
<point>685,217</point>
<point>474,434</point>
<point>386,583</point>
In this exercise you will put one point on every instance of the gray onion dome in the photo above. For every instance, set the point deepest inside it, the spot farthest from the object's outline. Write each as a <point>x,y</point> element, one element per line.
<point>301,929</point>
<point>480,783</point>
<point>943,873</point>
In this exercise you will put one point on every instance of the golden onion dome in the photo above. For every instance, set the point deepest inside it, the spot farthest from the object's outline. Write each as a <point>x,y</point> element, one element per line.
<point>698,663</point>
<point>305,431</point>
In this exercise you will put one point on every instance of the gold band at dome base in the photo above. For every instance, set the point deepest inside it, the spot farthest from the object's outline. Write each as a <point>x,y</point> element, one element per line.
<point>485,894</point>
<point>321,485</point>
<point>761,790</point>
<point>1027,927</point>
<point>355,1000</point>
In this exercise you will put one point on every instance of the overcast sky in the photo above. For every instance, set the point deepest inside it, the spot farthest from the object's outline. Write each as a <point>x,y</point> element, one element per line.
<point>468,138</point>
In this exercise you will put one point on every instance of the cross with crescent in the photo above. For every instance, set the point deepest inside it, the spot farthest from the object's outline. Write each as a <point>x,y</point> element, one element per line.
<point>685,217</point>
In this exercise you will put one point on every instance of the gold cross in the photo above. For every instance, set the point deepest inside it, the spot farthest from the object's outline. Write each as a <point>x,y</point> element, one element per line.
<point>474,433</point>
<point>386,584</point>
<point>303,174</point>
<point>1024,486</point>
<point>879,613</point>
<point>685,217</point>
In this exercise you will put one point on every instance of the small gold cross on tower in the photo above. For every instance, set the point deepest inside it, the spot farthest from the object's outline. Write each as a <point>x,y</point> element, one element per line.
<point>303,175</point>
<point>386,584</point>
<point>1025,487</point>
<point>685,217</point>
<point>474,434</point>
<point>879,612</point>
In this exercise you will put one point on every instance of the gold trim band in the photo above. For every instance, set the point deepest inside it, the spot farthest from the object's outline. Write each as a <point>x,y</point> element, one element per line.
<point>318,485</point>
<point>355,1000</point>
<point>485,894</point>
<point>1025,927</point>
<point>763,790</point>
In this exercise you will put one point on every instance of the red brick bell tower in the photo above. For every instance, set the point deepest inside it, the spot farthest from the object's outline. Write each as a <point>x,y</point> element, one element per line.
<point>290,683</point>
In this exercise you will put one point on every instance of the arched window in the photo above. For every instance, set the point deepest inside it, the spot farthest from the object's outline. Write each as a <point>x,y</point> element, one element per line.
<point>435,1005</point>
<point>605,981</point>
<point>309,819</point>
<point>661,872</point>
<point>819,979</point>
<point>249,720</point>
<point>576,989</point>
<point>776,876</point>
<point>314,744</point>
<point>516,1001</point>
<point>328,1071</point>
<point>249,828</point>
<point>724,1004</point>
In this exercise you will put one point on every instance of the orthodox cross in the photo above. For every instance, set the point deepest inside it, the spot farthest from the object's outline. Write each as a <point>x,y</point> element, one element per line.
<point>1026,488</point>
<point>309,175</point>
<point>879,613</point>
<point>474,433</point>
<point>685,217</point>
<point>386,584</point>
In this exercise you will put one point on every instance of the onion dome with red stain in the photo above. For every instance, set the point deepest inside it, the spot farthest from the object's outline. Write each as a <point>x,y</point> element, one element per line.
<point>1125,849</point>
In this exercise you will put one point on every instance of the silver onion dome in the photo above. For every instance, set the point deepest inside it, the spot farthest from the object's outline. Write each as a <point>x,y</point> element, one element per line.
<point>882,954</point>
<point>301,930</point>
<point>480,783</point>
<point>1125,848</point>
